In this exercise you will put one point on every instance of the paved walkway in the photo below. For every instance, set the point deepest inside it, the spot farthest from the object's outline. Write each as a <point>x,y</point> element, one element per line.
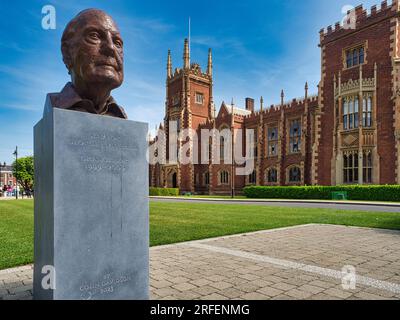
<point>303,262</point>
<point>338,205</point>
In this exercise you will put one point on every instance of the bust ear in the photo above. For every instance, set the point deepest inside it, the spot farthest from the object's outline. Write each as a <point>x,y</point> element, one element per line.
<point>66,56</point>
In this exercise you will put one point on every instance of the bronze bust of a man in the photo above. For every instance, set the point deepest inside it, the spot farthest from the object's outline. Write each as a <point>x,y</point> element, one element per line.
<point>92,50</point>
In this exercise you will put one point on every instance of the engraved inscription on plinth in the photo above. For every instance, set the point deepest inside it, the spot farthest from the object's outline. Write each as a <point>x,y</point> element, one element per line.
<point>91,206</point>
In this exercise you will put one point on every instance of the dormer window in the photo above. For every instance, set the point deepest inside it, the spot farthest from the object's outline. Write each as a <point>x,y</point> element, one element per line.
<point>199,98</point>
<point>355,56</point>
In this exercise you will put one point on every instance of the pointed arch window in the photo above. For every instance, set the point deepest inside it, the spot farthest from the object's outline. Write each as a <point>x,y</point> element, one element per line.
<point>295,136</point>
<point>272,141</point>
<point>294,175</point>
<point>272,175</point>
<point>222,148</point>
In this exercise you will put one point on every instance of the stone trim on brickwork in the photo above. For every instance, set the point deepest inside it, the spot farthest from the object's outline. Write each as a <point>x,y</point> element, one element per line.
<point>319,112</point>
<point>325,162</point>
<point>394,54</point>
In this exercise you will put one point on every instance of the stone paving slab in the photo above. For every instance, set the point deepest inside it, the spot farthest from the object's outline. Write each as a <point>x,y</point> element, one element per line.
<point>302,262</point>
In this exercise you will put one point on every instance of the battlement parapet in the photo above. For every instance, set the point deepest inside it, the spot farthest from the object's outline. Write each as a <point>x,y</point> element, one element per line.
<point>288,105</point>
<point>359,18</point>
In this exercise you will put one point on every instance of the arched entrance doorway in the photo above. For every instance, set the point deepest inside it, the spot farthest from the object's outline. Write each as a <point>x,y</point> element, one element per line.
<point>174,180</point>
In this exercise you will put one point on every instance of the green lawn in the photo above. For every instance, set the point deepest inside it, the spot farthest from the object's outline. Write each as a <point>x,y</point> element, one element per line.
<point>176,222</point>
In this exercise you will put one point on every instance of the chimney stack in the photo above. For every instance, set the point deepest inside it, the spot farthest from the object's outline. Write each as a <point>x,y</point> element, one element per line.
<point>250,104</point>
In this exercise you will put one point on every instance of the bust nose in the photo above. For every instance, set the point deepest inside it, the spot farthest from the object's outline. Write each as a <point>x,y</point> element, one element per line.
<point>108,46</point>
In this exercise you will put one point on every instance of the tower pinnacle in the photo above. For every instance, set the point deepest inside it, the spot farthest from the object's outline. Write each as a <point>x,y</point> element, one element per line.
<point>186,55</point>
<point>209,65</point>
<point>306,90</point>
<point>169,65</point>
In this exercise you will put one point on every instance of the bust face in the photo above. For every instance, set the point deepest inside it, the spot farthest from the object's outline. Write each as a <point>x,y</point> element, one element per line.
<point>95,50</point>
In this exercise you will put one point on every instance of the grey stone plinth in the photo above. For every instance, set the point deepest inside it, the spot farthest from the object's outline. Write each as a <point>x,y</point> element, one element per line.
<point>91,207</point>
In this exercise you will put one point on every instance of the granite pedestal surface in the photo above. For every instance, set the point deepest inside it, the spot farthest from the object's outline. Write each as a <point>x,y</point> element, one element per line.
<point>91,207</point>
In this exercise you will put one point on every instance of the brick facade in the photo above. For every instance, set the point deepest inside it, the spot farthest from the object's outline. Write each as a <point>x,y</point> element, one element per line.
<point>6,176</point>
<point>348,133</point>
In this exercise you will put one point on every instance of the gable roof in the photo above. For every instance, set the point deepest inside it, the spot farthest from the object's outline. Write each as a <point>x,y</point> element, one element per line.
<point>236,111</point>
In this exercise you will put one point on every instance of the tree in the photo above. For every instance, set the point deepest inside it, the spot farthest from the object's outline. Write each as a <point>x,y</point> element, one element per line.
<point>23,172</point>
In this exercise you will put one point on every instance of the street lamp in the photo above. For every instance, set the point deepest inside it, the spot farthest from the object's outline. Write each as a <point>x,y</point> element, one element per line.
<point>16,171</point>
<point>232,151</point>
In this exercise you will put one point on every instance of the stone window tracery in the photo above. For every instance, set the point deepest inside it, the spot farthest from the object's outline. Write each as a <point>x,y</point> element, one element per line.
<point>271,175</point>
<point>350,167</point>
<point>224,177</point>
<point>272,141</point>
<point>295,136</point>
<point>294,174</point>
<point>350,112</point>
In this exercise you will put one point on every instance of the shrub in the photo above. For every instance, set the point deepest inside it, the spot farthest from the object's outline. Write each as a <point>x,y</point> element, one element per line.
<point>164,192</point>
<point>354,192</point>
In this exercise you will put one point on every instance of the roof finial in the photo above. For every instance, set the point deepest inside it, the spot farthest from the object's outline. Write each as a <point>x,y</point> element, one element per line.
<point>209,66</point>
<point>189,40</point>
<point>261,103</point>
<point>186,55</point>
<point>169,65</point>
<point>233,114</point>
<point>306,90</point>
<point>282,97</point>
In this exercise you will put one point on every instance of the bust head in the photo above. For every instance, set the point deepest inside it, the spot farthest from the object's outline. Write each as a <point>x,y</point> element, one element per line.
<point>92,51</point>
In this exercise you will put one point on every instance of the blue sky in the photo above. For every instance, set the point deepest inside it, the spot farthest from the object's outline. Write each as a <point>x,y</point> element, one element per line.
<point>259,47</point>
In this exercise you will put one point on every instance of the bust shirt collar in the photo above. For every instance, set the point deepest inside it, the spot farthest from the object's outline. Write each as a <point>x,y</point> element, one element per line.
<point>70,99</point>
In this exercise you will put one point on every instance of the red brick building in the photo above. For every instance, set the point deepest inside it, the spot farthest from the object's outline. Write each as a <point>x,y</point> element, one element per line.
<point>6,176</point>
<point>349,133</point>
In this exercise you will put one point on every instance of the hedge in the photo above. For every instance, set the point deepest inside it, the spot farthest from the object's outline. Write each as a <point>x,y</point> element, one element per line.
<point>165,192</point>
<point>354,192</point>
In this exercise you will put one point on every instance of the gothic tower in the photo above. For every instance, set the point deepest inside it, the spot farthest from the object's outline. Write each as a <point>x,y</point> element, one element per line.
<point>189,103</point>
